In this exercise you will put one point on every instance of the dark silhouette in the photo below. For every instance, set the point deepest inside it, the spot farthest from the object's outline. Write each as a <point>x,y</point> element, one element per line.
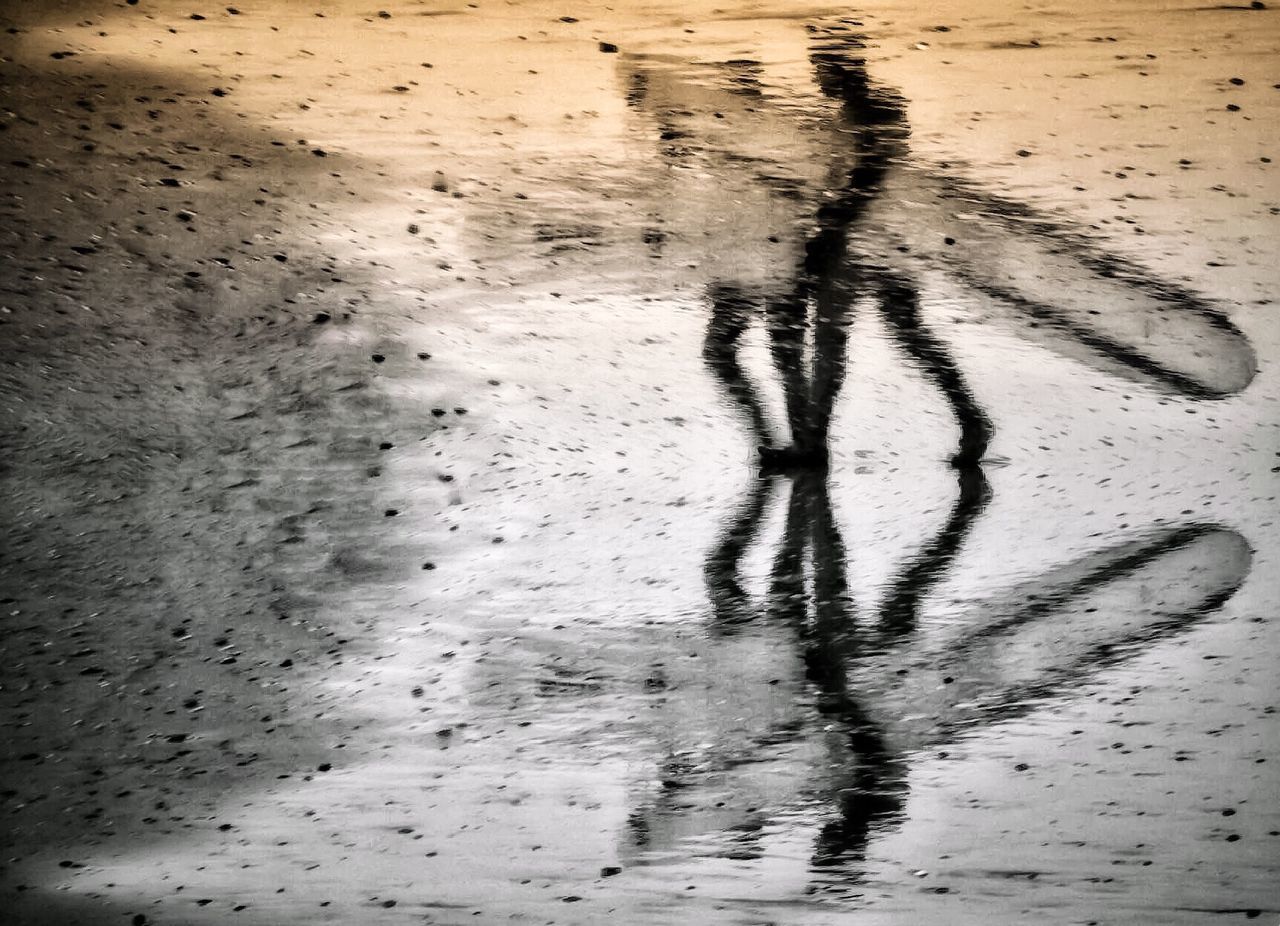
<point>864,232</point>
<point>969,685</point>
<point>883,691</point>
<point>828,282</point>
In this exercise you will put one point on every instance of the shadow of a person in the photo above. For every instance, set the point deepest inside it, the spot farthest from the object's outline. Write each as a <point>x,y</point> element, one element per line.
<point>804,246</point>
<point>883,693</point>
<point>869,789</point>
<point>828,284</point>
<point>879,690</point>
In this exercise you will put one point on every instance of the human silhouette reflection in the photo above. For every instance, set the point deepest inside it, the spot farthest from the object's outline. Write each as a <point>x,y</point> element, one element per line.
<point>830,281</point>
<point>878,690</point>
<point>881,692</point>
<point>869,791</point>
<point>805,247</point>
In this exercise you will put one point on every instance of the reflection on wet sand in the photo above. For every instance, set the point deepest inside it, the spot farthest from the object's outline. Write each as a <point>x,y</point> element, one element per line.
<point>843,205</point>
<point>361,521</point>
<point>879,690</point>
<point>881,693</point>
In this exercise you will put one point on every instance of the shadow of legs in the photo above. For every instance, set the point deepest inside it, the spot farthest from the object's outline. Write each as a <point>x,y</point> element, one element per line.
<point>900,306</point>
<point>731,314</point>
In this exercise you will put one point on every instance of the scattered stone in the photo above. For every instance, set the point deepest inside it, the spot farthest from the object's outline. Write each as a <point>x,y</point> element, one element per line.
<point>608,48</point>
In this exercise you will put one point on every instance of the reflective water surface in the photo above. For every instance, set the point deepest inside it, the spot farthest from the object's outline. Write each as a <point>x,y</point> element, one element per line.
<point>656,464</point>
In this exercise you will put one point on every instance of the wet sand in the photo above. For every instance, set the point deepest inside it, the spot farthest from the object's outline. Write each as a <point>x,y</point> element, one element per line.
<point>386,538</point>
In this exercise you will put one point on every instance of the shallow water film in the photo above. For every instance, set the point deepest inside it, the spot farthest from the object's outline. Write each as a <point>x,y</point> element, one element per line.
<point>650,463</point>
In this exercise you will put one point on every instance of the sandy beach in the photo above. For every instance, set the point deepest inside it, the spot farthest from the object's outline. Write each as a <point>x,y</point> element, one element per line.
<point>387,537</point>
